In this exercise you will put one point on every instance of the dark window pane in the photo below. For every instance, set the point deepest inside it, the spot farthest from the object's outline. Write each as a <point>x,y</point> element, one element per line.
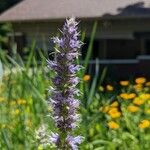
<point>122,49</point>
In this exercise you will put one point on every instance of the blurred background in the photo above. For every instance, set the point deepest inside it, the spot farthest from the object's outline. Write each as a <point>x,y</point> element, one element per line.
<point>115,104</point>
<point>121,41</point>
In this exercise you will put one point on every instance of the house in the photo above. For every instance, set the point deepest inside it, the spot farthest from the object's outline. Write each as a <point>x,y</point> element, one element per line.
<point>122,39</point>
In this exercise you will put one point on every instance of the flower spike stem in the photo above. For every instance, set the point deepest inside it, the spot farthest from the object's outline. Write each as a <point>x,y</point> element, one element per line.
<point>64,95</point>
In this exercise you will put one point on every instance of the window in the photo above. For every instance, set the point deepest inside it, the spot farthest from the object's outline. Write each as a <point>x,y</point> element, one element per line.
<point>95,48</point>
<point>19,39</point>
<point>122,49</point>
<point>147,46</point>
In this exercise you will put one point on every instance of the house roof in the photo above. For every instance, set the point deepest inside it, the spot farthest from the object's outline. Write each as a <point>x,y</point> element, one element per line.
<point>31,10</point>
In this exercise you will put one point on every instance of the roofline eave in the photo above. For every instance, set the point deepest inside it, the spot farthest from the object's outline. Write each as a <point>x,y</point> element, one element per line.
<point>102,18</point>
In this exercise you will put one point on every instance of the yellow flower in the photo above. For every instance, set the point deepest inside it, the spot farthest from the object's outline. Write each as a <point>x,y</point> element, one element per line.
<point>86,77</point>
<point>2,126</point>
<point>113,125</point>
<point>124,96</point>
<point>131,95</point>
<point>114,104</point>
<point>145,96</point>
<point>113,110</point>
<point>12,103</point>
<point>132,108</point>
<point>148,102</point>
<point>124,83</point>
<point>105,109</point>
<point>101,88</point>
<point>147,83</point>
<point>140,80</point>
<point>138,101</point>
<point>21,102</point>
<point>16,112</point>
<point>144,124</point>
<point>147,111</point>
<point>109,87</point>
<point>138,87</point>
<point>114,113</point>
<point>2,99</point>
<point>127,96</point>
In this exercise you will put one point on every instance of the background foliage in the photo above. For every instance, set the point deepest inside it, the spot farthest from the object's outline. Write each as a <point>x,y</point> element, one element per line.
<point>5,4</point>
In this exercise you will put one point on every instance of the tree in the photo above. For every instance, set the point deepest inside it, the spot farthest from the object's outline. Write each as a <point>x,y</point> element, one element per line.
<point>5,4</point>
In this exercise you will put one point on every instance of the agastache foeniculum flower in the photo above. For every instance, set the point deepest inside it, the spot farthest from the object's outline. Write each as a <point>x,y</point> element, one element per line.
<point>64,92</point>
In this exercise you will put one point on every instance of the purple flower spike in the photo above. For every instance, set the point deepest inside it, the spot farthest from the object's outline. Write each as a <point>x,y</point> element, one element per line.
<point>58,41</point>
<point>54,138</point>
<point>74,141</point>
<point>64,93</point>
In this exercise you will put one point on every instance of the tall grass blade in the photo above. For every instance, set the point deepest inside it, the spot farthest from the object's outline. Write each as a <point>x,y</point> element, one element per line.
<point>6,140</point>
<point>90,47</point>
<point>29,61</point>
<point>94,84</point>
<point>103,75</point>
